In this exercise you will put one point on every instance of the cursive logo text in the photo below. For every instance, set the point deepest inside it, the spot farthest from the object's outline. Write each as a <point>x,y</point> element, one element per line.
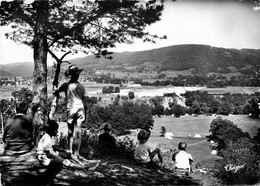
<point>232,167</point>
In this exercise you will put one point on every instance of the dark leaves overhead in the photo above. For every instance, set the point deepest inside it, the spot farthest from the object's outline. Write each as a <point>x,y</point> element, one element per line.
<point>88,26</point>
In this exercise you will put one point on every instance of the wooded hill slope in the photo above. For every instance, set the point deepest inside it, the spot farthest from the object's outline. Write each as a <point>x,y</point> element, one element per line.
<point>23,69</point>
<point>202,58</point>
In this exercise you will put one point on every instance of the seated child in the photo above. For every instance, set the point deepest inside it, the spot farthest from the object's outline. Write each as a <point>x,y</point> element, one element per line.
<point>106,141</point>
<point>18,132</point>
<point>182,159</point>
<point>143,152</point>
<point>47,152</point>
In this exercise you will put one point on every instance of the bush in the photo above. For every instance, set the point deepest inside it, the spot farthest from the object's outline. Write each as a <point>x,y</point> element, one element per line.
<point>131,95</point>
<point>90,147</point>
<point>178,110</point>
<point>225,132</point>
<point>254,107</point>
<point>122,117</point>
<point>163,131</point>
<point>158,110</point>
<point>239,164</point>
<point>196,107</point>
<point>238,110</point>
<point>24,94</point>
<point>226,108</point>
<point>126,147</point>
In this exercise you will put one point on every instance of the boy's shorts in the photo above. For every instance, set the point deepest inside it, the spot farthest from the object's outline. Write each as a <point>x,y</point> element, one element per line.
<point>75,114</point>
<point>183,172</point>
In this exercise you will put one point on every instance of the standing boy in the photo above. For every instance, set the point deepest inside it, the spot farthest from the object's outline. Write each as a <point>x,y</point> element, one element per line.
<point>75,95</point>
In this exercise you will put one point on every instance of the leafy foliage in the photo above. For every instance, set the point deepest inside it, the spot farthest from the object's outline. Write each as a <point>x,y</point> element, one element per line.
<point>24,94</point>
<point>90,26</point>
<point>203,102</point>
<point>163,131</point>
<point>239,164</point>
<point>7,109</point>
<point>225,132</point>
<point>156,104</point>
<point>122,117</point>
<point>178,110</point>
<point>110,89</point>
<point>254,107</point>
<point>131,95</point>
<point>86,26</point>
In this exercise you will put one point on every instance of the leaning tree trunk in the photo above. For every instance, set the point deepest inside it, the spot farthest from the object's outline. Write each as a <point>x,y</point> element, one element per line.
<point>2,122</point>
<point>40,48</point>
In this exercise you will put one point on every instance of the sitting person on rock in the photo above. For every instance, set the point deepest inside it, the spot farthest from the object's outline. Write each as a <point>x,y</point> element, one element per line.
<point>143,152</point>
<point>47,151</point>
<point>55,157</point>
<point>106,141</point>
<point>182,160</point>
<point>18,132</point>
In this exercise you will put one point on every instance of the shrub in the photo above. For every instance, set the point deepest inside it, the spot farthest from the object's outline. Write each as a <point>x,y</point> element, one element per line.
<point>226,108</point>
<point>239,164</point>
<point>178,110</point>
<point>24,94</point>
<point>163,131</point>
<point>254,107</point>
<point>90,147</point>
<point>126,147</point>
<point>224,132</point>
<point>131,95</point>
<point>238,110</point>
<point>122,117</point>
<point>158,110</point>
<point>167,111</point>
<point>196,107</point>
<point>89,144</point>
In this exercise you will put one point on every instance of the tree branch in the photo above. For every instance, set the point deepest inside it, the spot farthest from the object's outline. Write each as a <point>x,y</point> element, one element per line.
<point>53,55</point>
<point>76,27</point>
<point>65,55</point>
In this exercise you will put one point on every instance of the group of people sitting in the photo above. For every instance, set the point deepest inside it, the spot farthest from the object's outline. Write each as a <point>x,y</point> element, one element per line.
<point>144,154</point>
<point>18,135</point>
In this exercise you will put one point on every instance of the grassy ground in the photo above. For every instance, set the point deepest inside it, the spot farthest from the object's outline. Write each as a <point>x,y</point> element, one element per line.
<point>189,125</point>
<point>6,91</point>
<point>242,90</point>
<point>184,126</point>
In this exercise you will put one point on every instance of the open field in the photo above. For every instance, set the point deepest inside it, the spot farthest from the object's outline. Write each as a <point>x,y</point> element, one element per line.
<point>242,90</point>
<point>6,91</point>
<point>184,126</point>
<point>189,125</point>
<point>198,147</point>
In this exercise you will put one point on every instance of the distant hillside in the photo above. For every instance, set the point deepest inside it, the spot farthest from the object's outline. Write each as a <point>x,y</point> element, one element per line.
<point>23,69</point>
<point>202,58</point>
<point>5,74</point>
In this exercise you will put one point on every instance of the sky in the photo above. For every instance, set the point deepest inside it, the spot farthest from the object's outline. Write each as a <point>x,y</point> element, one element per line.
<point>227,24</point>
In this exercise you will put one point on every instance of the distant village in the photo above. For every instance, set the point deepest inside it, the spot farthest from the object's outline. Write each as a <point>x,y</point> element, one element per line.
<point>8,81</point>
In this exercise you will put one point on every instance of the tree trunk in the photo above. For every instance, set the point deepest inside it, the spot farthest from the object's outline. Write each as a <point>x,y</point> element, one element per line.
<point>40,59</point>
<point>2,123</point>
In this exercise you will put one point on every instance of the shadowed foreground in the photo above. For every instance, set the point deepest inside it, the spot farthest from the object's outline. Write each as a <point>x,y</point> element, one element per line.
<point>25,170</point>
